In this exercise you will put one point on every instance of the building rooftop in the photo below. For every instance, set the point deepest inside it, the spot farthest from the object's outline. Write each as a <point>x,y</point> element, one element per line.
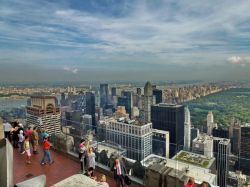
<point>194,159</point>
<point>152,159</point>
<point>199,173</point>
<point>63,168</point>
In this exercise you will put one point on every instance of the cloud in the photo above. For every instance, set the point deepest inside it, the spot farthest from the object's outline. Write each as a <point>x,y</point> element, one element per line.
<point>70,69</point>
<point>242,61</point>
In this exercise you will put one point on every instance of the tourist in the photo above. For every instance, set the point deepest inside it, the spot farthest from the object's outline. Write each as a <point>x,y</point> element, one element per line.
<point>204,184</point>
<point>190,183</point>
<point>43,135</point>
<point>26,146</point>
<point>35,140</point>
<point>46,151</point>
<point>15,135</point>
<point>83,155</point>
<point>90,173</point>
<point>21,141</point>
<point>29,134</point>
<point>7,129</point>
<point>91,158</point>
<point>103,181</point>
<point>119,172</point>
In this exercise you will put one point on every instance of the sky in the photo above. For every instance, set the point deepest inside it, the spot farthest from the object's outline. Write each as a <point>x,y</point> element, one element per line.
<point>108,40</point>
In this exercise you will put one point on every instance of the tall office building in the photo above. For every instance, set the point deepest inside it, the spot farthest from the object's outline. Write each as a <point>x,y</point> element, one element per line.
<point>203,144</point>
<point>147,101</point>
<point>130,135</point>
<point>245,149</point>
<point>90,107</point>
<point>104,95</point>
<point>170,117</point>
<point>221,149</point>
<point>44,113</point>
<point>138,91</point>
<point>187,130</point>
<point>158,95</point>
<point>126,100</point>
<point>235,136</point>
<point>210,123</point>
<point>113,91</point>
<point>220,132</point>
<point>194,134</point>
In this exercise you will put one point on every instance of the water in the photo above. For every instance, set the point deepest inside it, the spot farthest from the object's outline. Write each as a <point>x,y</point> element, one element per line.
<point>8,104</point>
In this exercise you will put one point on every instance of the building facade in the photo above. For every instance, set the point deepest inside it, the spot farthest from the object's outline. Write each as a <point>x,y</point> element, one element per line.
<point>44,113</point>
<point>160,143</point>
<point>104,95</point>
<point>135,138</point>
<point>169,117</point>
<point>203,144</point>
<point>187,130</point>
<point>245,149</point>
<point>158,96</point>
<point>222,149</point>
<point>146,100</point>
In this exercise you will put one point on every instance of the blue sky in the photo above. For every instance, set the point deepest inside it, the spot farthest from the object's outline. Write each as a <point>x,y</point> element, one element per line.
<point>124,39</point>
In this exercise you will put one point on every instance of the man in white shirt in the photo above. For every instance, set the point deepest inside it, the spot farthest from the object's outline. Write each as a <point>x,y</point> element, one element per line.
<point>7,128</point>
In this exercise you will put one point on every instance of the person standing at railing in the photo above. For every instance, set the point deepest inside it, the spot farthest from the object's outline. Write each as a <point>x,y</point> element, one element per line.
<point>83,156</point>
<point>91,158</point>
<point>21,141</point>
<point>35,140</point>
<point>119,172</point>
<point>190,183</point>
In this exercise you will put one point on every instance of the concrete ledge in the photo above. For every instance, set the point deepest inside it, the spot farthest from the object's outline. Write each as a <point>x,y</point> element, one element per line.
<point>39,181</point>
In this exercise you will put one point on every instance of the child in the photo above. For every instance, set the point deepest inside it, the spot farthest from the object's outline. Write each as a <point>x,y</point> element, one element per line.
<point>46,151</point>
<point>21,141</point>
<point>27,149</point>
<point>103,181</point>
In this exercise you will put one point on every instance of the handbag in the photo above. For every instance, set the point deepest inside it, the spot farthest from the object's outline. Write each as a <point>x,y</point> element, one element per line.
<point>127,180</point>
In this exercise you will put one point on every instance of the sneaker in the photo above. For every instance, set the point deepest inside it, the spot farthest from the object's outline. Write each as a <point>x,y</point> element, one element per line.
<point>22,152</point>
<point>51,162</point>
<point>28,162</point>
<point>43,163</point>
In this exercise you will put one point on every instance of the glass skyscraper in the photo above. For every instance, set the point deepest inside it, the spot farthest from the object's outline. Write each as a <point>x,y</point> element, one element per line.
<point>170,118</point>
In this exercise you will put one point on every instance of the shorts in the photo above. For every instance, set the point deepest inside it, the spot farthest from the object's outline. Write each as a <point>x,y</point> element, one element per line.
<point>35,142</point>
<point>28,152</point>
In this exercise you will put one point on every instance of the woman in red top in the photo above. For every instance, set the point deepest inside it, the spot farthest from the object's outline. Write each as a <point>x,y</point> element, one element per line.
<point>46,151</point>
<point>190,183</point>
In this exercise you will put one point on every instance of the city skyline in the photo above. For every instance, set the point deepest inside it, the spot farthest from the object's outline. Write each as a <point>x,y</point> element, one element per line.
<point>125,40</point>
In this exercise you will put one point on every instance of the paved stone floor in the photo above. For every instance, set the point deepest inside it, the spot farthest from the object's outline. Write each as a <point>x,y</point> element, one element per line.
<point>62,168</point>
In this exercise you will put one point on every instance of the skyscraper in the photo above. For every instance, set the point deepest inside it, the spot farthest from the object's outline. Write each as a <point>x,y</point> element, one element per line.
<point>135,138</point>
<point>158,95</point>
<point>126,100</point>
<point>44,113</point>
<point>194,134</point>
<point>221,149</point>
<point>147,101</point>
<point>90,106</point>
<point>160,143</point>
<point>170,118</point>
<point>210,123</point>
<point>203,144</point>
<point>235,136</point>
<point>187,130</point>
<point>104,95</point>
<point>245,149</point>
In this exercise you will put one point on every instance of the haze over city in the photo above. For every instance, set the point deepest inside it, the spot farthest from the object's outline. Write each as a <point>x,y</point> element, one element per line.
<point>124,40</point>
